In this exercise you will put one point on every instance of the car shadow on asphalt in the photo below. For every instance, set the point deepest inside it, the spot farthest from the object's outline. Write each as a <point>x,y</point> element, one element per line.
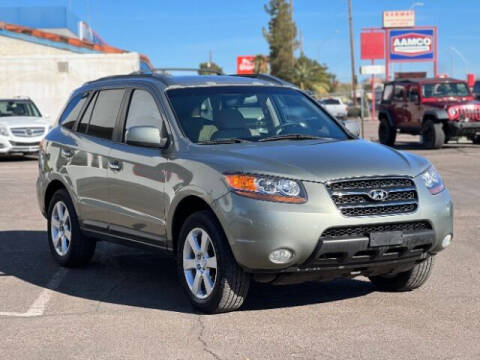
<point>17,158</point>
<point>141,278</point>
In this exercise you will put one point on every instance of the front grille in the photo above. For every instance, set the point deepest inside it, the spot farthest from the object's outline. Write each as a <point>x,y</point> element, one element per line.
<point>353,198</point>
<point>28,131</point>
<point>17,143</point>
<point>468,112</point>
<point>365,230</point>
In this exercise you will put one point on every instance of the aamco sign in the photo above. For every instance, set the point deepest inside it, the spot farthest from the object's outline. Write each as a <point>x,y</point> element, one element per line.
<point>412,44</point>
<point>245,64</point>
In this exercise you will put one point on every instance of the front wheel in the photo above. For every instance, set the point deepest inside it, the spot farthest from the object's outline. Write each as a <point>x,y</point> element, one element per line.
<point>476,139</point>
<point>207,269</point>
<point>433,135</point>
<point>405,281</point>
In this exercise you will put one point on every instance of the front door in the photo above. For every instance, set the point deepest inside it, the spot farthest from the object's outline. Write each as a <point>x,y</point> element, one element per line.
<point>414,109</point>
<point>137,177</point>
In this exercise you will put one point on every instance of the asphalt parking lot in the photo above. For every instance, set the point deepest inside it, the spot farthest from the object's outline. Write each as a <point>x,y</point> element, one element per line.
<point>127,302</point>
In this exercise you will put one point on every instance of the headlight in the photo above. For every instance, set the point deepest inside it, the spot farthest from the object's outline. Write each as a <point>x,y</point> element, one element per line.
<point>433,181</point>
<point>267,188</point>
<point>3,131</point>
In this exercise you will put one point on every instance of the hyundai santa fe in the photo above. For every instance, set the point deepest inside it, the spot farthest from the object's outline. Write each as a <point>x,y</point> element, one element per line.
<point>242,179</point>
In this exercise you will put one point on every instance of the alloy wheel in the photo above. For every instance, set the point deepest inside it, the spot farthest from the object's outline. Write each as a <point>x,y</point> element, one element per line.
<point>199,263</point>
<point>61,228</point>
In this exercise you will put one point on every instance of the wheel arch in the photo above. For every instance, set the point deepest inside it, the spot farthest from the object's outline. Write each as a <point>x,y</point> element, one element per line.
<point>185,207</point>
<point>387,116</point>
<point>52,187</point>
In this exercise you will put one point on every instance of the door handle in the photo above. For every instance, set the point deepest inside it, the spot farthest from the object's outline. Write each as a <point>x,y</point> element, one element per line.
<point>66,153</point>
<point>115,165</point>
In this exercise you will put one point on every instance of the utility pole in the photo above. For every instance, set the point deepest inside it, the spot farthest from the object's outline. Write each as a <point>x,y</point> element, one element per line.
<point>352,53</point>
<point>293,34</point>
<point>210,58</point>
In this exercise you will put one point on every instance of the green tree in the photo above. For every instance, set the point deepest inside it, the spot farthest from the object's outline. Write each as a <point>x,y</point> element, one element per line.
<point>261,64</point>
<point>309,74</point>
<point>209,68</point>
<point>281,36</point>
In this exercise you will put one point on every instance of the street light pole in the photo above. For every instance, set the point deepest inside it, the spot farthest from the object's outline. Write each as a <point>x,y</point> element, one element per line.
<point>352,53</point>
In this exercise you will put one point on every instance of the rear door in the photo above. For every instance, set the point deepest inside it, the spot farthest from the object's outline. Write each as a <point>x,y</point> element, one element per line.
<point>137,182</point>
<point>414,109</point>
<point>399,105</point>
<point>88,168</point>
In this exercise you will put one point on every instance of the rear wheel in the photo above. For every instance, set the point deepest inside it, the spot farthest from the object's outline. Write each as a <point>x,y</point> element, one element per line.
<point>206,267</point>
<point>476,139</point>
<point>405,281</point>
<point>68,245</point>
<point>433,134</point>
<point>386,133</point>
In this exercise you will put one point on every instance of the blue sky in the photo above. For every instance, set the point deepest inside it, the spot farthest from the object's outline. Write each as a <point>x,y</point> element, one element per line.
<point>182,32</point>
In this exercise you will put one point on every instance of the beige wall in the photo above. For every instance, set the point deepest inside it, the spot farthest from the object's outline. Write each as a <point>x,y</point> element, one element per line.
<point>15,47</point>
<point>40,78</point>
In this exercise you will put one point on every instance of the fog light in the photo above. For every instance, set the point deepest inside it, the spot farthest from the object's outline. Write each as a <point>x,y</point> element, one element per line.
<point>281,256</point>
<point>446,240</point>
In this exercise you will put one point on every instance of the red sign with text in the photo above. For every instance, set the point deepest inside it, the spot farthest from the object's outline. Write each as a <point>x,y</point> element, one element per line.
<point>245,64</point>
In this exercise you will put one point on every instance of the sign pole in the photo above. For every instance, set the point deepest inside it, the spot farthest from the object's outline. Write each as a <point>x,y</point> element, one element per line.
<point>387,55</point>
<point>374,115</point>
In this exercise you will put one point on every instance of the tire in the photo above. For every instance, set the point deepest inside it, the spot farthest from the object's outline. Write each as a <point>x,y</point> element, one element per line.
<point>406,281</point>
<point>476,139</point>
<point>433,135</point>
<point>73,252</point>
<point>228,282</point>
<point>386,133</point>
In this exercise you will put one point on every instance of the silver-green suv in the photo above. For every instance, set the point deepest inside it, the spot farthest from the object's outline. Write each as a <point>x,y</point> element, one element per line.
<point>241,179</point>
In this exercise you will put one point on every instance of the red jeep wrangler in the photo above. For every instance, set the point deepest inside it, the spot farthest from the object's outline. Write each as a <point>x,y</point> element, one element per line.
<point>438,109</point>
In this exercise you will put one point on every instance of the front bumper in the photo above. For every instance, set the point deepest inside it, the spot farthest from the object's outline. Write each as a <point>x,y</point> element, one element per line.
<point>19,145</point>
<point>255,228</point>
<point>462,128</point>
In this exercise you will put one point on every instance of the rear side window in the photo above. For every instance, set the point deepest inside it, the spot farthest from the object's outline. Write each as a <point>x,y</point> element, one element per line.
<point>387,93</point>
<point>72,111</point>
<point>476,87</point>
<point>104,114</point>
<point>143,111</point>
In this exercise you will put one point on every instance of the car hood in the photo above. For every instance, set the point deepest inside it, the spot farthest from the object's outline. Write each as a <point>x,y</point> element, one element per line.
<point>19,121</point>
<point>308,160</point>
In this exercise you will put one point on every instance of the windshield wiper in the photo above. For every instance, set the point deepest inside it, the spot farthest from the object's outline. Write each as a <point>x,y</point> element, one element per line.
<point>223,141</point>
<point>292,137</point>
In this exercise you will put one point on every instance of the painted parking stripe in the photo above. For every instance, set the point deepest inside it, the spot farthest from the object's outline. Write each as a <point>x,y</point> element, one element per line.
<point>40,304</point>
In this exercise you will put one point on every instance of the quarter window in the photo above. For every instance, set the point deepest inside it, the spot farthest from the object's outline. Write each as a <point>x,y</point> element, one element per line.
<point>104,115</point>
<point>72,111</point>
<point>143,111</point>
<point>83,124</point>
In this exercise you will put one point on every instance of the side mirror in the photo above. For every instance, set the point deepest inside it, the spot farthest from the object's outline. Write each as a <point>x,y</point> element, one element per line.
<point>146,136</point>
<point>352,126</point>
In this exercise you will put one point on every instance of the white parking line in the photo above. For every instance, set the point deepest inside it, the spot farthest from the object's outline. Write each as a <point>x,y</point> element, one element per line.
<point>40,304</point>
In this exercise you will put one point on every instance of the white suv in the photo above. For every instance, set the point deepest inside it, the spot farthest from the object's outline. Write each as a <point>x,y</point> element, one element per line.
<point>22,127</point>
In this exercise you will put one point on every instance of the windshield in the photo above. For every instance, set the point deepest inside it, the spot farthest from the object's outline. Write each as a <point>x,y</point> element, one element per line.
<point>209,114</point>
<point>445,89</point>
<point>18,108</point>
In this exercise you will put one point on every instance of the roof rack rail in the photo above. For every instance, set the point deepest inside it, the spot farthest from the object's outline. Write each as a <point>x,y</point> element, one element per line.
<point>164,71</point>
<point>266,77</point>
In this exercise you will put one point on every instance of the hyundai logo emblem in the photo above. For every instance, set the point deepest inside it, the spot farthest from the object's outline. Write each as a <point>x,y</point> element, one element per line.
<point>378,195</point>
